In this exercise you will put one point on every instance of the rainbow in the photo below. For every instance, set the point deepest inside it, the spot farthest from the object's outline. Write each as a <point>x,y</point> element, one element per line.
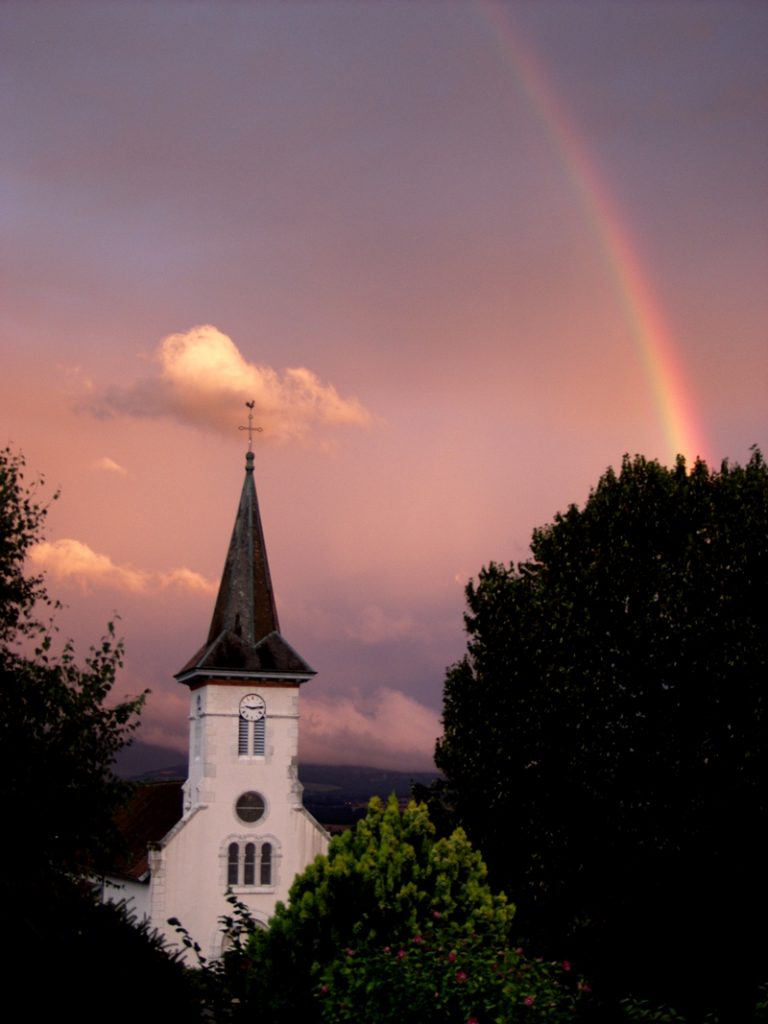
<point>655,344</point>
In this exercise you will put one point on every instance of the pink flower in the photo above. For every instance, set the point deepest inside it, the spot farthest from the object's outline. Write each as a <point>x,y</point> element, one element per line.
<point>418,939</point>
<point>584,986</point>
<point>519,950</point>
<point>349,951</point>
<point>400,954</point>
<point>324,990</point>
<point>472,1020</point>
<point>436,915</point>
<point>529,1000</point>
<point>566,965</point>
<point>452,957</point>
<point>387,949</point>
<point>461,977</point>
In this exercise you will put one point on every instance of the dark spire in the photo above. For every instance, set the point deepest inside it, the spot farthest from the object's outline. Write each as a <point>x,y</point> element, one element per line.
<point>244,638</point>
<point>246,602</point>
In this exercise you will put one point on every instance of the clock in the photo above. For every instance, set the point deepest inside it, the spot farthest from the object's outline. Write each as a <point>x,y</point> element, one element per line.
<point>252,707</point>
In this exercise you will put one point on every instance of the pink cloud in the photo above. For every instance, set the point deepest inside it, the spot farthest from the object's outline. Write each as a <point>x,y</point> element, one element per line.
<point>204,380</point>
<point>394,731</point>
<point>110,466</point>
<point>165,720</point>
<point>376,627</point>
<point>69,560</point>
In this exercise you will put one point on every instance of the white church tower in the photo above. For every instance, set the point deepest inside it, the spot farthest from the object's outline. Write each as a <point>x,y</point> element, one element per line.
<point>243,827</point>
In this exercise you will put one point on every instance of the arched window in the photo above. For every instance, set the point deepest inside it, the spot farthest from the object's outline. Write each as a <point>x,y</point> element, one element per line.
<point>233,863</point>
<point>265,867</point>
<point>249,872</point>
<point>250,863</point>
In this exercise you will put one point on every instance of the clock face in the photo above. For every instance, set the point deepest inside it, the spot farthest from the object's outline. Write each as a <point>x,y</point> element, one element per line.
<point>252,707</point>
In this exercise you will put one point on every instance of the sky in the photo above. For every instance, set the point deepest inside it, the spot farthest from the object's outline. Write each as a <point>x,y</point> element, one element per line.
<point>462,255</point>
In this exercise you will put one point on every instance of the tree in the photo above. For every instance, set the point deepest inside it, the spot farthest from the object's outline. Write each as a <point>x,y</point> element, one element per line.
<point>58,734</point>
<point>605,737</point>
<point>63,952</point>
<point>395,924</point>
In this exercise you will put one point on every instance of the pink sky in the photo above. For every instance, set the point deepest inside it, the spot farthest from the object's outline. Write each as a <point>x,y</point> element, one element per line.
<point>463,256</point>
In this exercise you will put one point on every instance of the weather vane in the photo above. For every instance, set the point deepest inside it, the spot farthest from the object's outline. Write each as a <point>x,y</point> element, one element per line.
<point>250,428</point>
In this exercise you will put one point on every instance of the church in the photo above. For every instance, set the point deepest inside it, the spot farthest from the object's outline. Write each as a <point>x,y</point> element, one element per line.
<point>238,823</point>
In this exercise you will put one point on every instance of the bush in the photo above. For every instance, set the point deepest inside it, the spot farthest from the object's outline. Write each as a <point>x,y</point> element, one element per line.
<point>396,924</point>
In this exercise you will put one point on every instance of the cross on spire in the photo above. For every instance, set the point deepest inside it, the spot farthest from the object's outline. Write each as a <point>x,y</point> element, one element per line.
<point>250,428</point>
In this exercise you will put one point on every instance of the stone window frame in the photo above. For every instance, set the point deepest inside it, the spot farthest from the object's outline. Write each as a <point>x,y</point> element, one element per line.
<point>250,863</point>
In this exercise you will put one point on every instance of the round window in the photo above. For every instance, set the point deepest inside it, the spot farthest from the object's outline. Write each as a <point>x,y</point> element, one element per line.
<point>250,807</point>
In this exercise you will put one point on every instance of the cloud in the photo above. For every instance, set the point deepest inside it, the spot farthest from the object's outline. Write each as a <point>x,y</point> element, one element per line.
<point>376,627</point>
<point>71,560</point>
<point>165,720</point>
<point>110,466</point>
<point>204,381</point>
<point>186,579</point>
<point>393,731</point>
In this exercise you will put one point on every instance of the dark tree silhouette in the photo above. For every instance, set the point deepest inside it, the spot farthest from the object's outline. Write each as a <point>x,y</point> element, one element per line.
<point>606,736</point>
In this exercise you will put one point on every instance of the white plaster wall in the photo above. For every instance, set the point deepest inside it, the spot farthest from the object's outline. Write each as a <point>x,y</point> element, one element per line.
<point>189,872</point>
<point>135,894</point>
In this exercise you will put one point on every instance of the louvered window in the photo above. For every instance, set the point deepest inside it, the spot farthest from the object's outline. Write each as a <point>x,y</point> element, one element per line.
<point>259,735</point>
<point>251,737</point>
<point>242,735</point>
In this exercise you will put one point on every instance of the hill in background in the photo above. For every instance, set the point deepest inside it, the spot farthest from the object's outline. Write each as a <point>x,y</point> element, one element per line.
<point>336,795</point>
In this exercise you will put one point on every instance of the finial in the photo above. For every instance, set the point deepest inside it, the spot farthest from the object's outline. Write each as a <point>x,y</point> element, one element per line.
<point>250,428</point>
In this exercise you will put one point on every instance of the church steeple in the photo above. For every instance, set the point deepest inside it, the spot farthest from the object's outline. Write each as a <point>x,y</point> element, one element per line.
<point>246,601</point>
<point>244,640</point>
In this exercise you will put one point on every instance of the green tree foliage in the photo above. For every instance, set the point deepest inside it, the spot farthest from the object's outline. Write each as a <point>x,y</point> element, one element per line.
<point>58,736</point>
<point>605,737</point>
<point>443,975</point>
<point>58,733</point>
<point>395,924</point>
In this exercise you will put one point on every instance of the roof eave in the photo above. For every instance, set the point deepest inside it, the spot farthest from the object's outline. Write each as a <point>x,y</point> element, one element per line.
<point>230,673</point>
